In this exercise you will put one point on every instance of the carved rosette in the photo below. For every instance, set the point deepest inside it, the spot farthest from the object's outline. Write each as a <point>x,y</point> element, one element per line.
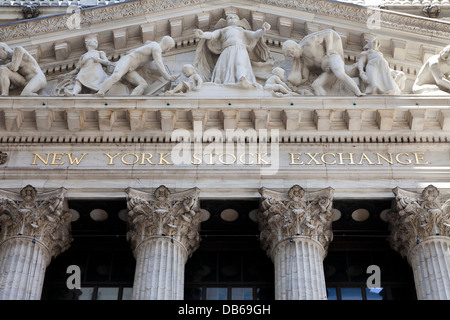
<point>164,214</point>
<point>41,217</point>
<point>296,214</point>
<point>418,216</point>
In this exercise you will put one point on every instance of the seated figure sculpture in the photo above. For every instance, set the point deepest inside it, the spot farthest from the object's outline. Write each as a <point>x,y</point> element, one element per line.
<point>126,66</point>
<point>434,76</point>
<point>319,53</point>
<point>22,70</point>
<point>232,42</point>
<point>374,70</point>
<point>275,83</point>
<point>89,69</point>
<point>194,81</point>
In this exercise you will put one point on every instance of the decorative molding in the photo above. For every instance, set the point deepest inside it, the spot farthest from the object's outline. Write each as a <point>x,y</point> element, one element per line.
<point>295,214</point>
<point>418,216</point>
<point>346,11</point>
<point>331,119</point>
<point>42,217</point>
<point>162,213</point>
<point>351,12</point>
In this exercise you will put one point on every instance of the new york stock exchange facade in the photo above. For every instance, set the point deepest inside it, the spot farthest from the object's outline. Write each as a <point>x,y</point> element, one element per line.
<point>251,150</point>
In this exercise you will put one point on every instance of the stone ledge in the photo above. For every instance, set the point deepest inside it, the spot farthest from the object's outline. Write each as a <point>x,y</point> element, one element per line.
<point>297,119</point>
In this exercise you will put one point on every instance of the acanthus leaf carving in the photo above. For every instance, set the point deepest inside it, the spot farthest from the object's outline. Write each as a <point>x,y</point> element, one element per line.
<point>418,216</point>
<point>174,215</point>
<point>41,217</point>
<point>298,213</point>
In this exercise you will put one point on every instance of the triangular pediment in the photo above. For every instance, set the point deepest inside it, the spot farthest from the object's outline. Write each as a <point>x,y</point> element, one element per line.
<point>58,41</point>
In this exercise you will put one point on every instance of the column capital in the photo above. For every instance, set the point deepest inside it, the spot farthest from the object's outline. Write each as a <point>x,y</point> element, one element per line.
<point>418,216</point>
<point>44,218</point>
<point>298,213</point>
<point>164,214</point>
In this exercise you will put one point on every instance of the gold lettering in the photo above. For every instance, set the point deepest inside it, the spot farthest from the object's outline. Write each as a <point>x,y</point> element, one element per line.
<point>365,157</point>
<point>323,158</point>
<point>211,155</point>
<point>56,158</point>
<point>260,158</point>
<point>295,158</point>
<point>130,163</point>
<point>341,158</point>
<point>112,158</point>
<point>418,159</point>
<point>195,156</point>
<point>243,161</point>
<point>75,159</point>
<point>390,161</point>
<point>146,157</point>
<point>36,155</point>
<point>408,161</point>
<point>313,158</point>
<point>162,158</point>
<point>227,163</point>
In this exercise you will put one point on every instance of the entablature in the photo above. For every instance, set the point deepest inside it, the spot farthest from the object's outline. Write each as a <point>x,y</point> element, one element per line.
<point>407,119</point>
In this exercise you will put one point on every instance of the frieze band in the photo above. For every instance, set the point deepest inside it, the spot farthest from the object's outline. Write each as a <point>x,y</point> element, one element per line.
<point>228,158</point>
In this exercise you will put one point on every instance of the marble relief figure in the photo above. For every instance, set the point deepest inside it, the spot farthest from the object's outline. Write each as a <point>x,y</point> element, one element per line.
<point>230,59</point>
<point>194,81</point>
<point>374,70</point>
<point>128,65</point>
<point>434,76</point>
<point>21,70</point>
<point>89,70</point>
<point>319,55</point>
<point>229,54</point>
<point>275,83</point>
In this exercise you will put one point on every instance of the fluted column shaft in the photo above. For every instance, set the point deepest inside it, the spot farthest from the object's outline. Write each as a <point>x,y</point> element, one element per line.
<point>420,231</point>
<point>430,261</point>
<point>296,232</point>
<point>163,234</point>
<point>299,271</point>
<point>22,268</point>
<point>160,263</point>
<point>35,228</point>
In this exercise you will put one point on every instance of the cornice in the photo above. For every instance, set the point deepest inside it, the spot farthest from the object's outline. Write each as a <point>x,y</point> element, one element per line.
<point>90,16</point>
<point>382,119</point>
<point>361,14</point>
<point>130,9</point>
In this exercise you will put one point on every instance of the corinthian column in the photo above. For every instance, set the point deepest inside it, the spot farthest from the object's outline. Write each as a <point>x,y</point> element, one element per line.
<point>420,231</point>
<point>163,235</point>
<point>295,232</point>
<point>34,229</point>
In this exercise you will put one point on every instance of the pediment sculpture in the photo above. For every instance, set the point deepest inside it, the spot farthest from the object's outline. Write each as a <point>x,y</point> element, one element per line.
<point>20,70</point>
<point>374,71</point>
<point>140,71</point>
<point>434,76</point>
<point>320,56</point>
<point>231,56</point>
<point>89,70</point>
